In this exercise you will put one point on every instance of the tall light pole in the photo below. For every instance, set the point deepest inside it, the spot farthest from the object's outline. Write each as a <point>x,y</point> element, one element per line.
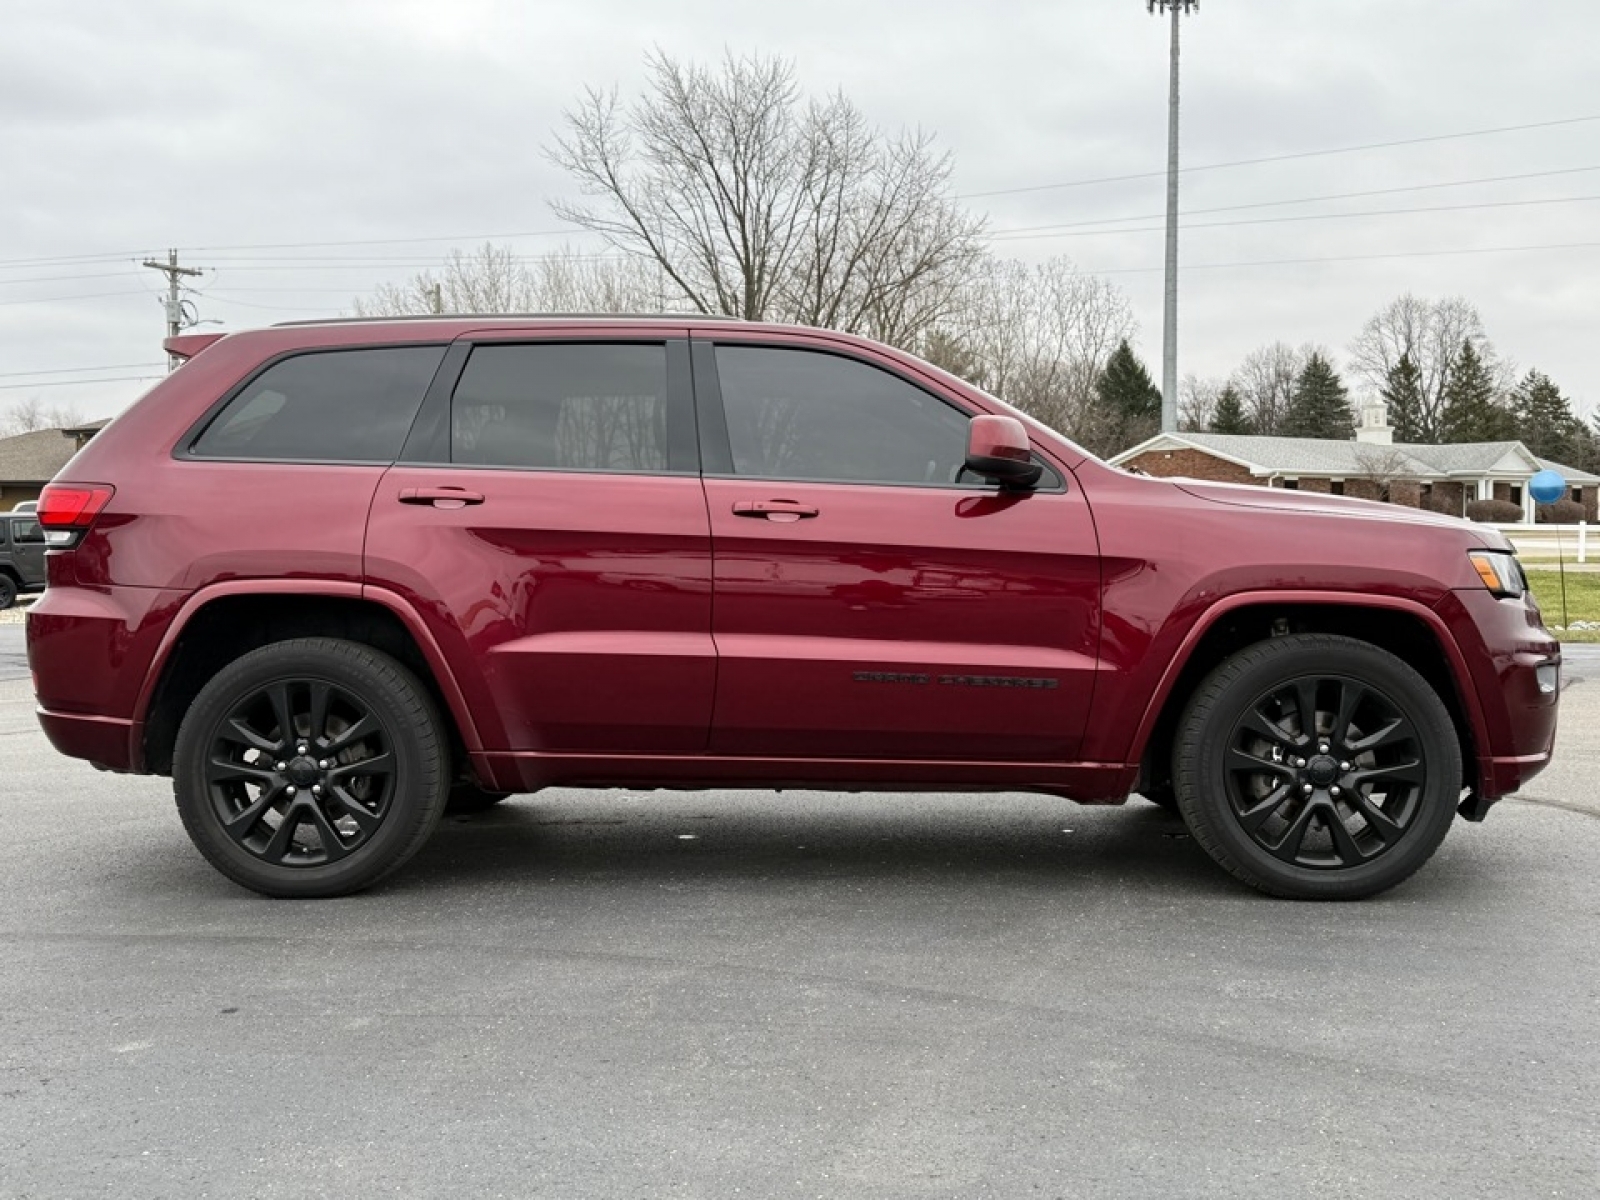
<point>1169,337</point>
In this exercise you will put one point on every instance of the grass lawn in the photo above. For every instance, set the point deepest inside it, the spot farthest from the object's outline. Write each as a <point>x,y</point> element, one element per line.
<point>1583,600</point>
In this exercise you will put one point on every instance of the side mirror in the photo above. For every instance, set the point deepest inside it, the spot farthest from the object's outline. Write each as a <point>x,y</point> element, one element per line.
<point>998,449</point>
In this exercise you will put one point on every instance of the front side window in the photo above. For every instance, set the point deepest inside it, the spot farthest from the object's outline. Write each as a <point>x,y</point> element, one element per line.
<point>801,414</point>
<point>329,405</point>
<point>576,407</point>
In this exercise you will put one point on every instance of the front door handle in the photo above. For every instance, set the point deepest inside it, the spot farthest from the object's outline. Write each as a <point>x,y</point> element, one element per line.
<point>440,497</point>
<point>781,511</point>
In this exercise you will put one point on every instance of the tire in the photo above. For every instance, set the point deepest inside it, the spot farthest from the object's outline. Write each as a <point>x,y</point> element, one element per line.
<point>468,798</point>
<point>8,591</point>
<point>1342,815</point>
<point>302,828</point>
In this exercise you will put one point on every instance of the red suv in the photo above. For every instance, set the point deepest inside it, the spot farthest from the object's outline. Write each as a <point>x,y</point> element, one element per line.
<point>328,576</point>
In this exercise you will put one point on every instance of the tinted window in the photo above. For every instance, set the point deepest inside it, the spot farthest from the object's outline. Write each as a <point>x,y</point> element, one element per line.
<point>344,405</point>
<point>26,529</point>
<point>797,414</point>
<point>581,407</point>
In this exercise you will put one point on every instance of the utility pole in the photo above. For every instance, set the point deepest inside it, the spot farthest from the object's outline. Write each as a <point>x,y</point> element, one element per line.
<point>1169,337</point>
<point>174,302</point>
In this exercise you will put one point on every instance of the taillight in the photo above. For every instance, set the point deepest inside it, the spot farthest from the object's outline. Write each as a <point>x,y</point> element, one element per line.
<point>66,511</point>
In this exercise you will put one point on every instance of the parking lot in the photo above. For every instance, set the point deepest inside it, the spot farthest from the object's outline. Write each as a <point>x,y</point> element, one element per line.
<point>811,994</point>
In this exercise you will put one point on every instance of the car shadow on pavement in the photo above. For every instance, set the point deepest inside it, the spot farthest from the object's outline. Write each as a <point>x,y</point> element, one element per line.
<point>878,840</point>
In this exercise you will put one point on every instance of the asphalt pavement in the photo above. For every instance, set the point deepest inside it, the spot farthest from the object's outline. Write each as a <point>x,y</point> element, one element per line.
<point>621,994</point>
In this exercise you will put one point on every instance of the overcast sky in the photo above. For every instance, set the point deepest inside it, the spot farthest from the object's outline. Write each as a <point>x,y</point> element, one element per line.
<point>223,127</point>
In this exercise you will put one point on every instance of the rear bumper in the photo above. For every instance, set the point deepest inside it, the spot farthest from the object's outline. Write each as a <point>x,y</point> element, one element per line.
<point>104,741</point>
<point>91,650</point>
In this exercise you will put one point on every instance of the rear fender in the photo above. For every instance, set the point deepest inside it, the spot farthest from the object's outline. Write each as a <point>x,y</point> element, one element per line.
<point>445,678</point>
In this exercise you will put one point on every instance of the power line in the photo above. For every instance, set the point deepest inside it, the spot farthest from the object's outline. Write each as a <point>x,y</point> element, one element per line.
<point>119,255</point>
<point>58,299</point>
<point>1296,262</point>
<point>1197,212</point>
<point>222,293</point>
<point>1376,212</point>
<point>65,278</point>
<point>82,370</point>
<point>1252,162</point>
<point>9,387</point>
<point>221,297</point>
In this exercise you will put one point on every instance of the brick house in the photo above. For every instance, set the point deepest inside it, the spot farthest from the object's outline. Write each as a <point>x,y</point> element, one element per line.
<point>1370,467</point>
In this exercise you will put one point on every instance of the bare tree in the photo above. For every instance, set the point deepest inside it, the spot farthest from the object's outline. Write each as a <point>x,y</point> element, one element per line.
<point>1197,399</point>
<point>1431,334</point>
<point>1265,382</point>
<point>753,204</point>
<point>1039,337</point>
<point>32,414</point>
<point>1384,466</point>
<point>495,279</point>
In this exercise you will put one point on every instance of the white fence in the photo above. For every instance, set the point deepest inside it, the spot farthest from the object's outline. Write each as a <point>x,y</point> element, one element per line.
<point>1535,542</point>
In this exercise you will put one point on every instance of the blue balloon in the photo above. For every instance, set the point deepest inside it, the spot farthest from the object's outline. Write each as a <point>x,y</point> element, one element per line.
<point>1547,487</point>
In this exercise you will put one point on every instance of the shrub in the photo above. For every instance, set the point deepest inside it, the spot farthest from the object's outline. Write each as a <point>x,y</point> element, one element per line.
<point>1494,512</point>
<point>1450,506</point>
<point>1562,512</point>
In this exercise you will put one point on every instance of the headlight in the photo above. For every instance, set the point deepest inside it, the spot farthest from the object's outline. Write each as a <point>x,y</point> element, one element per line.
<point>1501,573</point>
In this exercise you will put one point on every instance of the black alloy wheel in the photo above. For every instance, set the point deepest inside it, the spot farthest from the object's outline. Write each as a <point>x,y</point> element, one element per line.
<point>1325,771</point>
<point>8,591</point>
<point>310,768</point>
<point>1318,767</point>
<point>300,773</point>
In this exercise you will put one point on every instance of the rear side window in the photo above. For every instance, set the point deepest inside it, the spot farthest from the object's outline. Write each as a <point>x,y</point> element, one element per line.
<point>331,405</point>
<point>589,406</point>
<point>25,530</point>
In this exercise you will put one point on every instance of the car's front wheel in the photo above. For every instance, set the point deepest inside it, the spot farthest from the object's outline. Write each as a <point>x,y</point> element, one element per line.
<point>311,767</point>
<point>1317,767</point>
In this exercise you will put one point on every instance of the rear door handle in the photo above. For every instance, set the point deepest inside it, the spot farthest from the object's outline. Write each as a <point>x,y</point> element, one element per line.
<point>781,511</point>
<point>440,497</point>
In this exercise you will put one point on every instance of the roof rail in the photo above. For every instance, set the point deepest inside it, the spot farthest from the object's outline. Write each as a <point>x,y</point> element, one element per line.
<point>500,316</point>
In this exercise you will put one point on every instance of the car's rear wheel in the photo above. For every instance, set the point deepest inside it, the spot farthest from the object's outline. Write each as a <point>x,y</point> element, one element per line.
<point>8,591</point>
<point>311,767</point>
<point>1317,767</point>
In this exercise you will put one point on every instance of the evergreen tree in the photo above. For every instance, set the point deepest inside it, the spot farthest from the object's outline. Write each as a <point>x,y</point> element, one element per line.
<point>1545,423</point>
<point>1320,405</point>
<point>1128,399</point>
<point>1229,415</point>
<point>1402,392</point>
<point>1125,387</point>
<point>1471,411</point>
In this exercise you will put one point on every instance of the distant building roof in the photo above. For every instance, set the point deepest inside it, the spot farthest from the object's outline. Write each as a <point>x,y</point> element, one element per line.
<point>89,428</point>
<point>1570,474</point>
<point>34,458</point>
<point>1318,457</point>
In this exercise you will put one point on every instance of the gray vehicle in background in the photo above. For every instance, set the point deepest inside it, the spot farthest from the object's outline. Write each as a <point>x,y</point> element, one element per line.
<point>21,556</point>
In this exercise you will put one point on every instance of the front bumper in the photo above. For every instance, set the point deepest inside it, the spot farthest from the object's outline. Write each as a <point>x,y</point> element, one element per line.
<point>1507,653</point>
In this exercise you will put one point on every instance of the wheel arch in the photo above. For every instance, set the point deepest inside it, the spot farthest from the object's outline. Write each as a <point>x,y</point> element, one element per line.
<point>217,625</point>
<point>1409,631</point>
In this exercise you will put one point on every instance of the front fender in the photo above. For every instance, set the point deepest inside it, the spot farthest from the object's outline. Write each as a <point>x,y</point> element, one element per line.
<point>1138,712</point>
